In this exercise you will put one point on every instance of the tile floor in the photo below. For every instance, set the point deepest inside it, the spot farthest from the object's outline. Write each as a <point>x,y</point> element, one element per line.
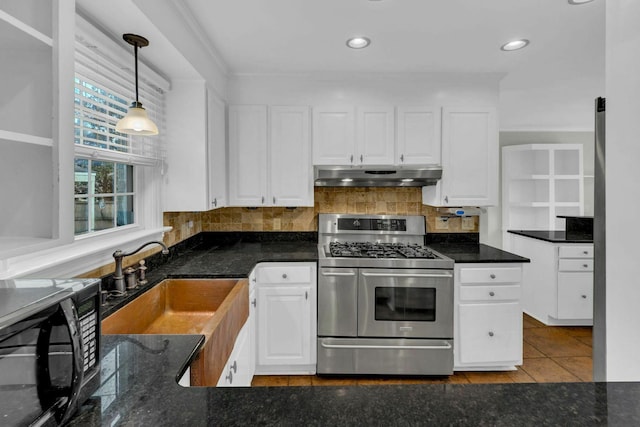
<point>550,354</point>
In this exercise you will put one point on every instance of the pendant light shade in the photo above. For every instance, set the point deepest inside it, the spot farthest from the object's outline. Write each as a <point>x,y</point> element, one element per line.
<point>136,122</point>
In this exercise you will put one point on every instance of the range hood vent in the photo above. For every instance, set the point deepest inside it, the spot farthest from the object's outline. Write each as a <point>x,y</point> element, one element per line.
<point>344,176</point>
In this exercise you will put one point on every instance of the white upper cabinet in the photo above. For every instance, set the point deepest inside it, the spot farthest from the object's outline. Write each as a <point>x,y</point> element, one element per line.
<point>217,144</point>
<point>269,156</point>
<point>195,177</point>
<point>375,136</point>
<point>418,141</point>
<point>469,159</point>
<point>290,157</point>
<point>247,155</point>
<point>333,136</point>
<point>369,137</point>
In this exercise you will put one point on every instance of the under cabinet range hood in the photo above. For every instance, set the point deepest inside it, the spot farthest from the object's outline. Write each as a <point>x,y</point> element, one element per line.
<point>345,176</point>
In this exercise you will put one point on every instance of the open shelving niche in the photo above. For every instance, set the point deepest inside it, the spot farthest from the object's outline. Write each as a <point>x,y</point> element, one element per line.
<point>540,182</point>
<point>27,149</point>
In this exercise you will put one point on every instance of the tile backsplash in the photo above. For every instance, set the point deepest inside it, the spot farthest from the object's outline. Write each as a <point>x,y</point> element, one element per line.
<point>372,200</point>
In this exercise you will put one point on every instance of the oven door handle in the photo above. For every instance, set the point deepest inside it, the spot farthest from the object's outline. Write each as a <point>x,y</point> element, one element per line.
<point>392,275</point>
<point>445,346</point>
<point>337,274</point>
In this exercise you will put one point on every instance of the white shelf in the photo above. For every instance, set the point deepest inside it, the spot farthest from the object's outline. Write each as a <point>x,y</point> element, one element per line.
<point>27,29</point>
<point>23,137</point>
<point>539,182</point>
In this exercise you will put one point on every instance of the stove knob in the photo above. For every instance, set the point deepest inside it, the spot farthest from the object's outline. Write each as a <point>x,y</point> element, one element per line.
<point>284,276</point>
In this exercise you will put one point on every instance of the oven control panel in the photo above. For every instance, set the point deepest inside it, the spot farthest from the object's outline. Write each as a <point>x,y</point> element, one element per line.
<point>372,224</point>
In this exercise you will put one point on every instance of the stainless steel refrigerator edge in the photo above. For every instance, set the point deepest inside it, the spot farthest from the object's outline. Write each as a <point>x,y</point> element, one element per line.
<point>599,244</point>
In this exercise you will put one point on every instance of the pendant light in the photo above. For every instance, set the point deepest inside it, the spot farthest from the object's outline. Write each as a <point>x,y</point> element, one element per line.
<point>136,122</point>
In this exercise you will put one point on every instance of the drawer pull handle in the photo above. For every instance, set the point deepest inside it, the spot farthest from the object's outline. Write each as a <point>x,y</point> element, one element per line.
<point>492,294</point>
<point>585,265</point>
<point>234,367</point>
<point>493,276</point>
<point>229,377</point>
<point>490,334</point>
<point>284,276</point>
<point>253,303</point>
<point>584,296</point>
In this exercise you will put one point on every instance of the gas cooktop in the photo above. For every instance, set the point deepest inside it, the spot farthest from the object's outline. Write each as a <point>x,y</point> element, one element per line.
<point>379,250</point>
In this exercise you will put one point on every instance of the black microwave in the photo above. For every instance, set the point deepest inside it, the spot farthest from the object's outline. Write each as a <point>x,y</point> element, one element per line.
<point>49,349</point>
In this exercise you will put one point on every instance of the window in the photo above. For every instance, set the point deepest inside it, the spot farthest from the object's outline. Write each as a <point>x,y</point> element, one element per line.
<point>104,195</point>
<point>107,163</point>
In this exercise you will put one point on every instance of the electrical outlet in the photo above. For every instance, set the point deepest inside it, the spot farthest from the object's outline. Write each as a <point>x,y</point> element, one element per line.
<point>442,223</point>
<point>468,223</point>
<point>277,224</point>
<point>190,224</point>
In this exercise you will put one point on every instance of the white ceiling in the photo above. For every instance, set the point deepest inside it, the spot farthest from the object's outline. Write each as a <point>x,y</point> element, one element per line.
<point>549,85</point>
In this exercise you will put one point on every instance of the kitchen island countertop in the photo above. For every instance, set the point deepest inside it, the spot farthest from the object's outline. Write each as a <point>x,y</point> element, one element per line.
<point>555,236</point>
<point>139,387</point>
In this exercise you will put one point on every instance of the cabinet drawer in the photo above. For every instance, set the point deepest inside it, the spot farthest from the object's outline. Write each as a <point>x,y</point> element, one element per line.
<point>490,275</point>
<point>490,293</point>
<point>575,296</point>
<point>490,333</point>
<point>575,265</point>
<point>575,251</point>
<point>282,274</point>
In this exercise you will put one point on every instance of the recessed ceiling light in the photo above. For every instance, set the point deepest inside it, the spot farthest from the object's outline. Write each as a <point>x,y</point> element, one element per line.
<point>407,180</point>
<point>346,179</point>
<point>515,45</point>
<point>358,42</point>
<point>579,1</point>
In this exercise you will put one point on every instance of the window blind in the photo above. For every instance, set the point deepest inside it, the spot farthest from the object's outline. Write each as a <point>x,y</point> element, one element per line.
<point>104,90</point>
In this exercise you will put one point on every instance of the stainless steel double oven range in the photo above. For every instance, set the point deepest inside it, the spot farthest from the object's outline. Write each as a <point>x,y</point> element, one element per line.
<point>385,301</point>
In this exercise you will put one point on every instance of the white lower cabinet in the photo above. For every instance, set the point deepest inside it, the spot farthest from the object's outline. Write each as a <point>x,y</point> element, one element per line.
<point>558,283</point>
<point>286,313</point>
<point>487,316</point>
<point>237,371</point>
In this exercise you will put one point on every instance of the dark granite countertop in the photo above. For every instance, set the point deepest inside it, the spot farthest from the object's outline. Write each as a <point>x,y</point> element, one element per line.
<point>221,255</point>
<point>475,253</point>
<point>139,388</point>
<point>555,236</point>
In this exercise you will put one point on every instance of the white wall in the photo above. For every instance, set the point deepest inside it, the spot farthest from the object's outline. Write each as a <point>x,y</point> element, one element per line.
<point>622,197</point>
<point>435,89</point>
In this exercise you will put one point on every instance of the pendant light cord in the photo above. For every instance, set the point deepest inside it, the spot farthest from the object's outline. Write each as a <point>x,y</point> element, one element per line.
<point>135,54</point>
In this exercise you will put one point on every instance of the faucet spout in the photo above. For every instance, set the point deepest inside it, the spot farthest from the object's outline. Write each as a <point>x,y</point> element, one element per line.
<point>118,277</point>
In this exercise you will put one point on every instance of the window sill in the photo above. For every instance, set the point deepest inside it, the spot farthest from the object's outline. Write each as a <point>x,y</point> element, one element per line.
<point>78,257</point>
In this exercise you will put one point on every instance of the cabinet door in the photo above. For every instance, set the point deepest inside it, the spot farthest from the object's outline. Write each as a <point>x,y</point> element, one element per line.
<point>217,151</point>
<point>575,295</point>
<point>247,155</point>
<point>290,157</point>
<point>333,136</point>
<point>252,321</point>
<point>375,130</point>
<point>418,140</point>
<point>469,159</point>
<point>284,319</point>
<point>490,333</point>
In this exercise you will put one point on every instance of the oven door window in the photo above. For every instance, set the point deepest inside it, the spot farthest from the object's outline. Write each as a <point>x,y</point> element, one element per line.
<point>405,304</point>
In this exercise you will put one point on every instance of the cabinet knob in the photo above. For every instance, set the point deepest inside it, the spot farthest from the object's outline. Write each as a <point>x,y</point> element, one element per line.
<point>492,294</point>
<point>490,333</point>
<point>584,296</point>
<point>493,276</point>
<point>585,252</point>
<point>274,200</point>
<point>229,377</point>
<point>446,199</point>
<point>284,276</point>
<point>234,367</point>
<point>215,202</point>
<point>253,303</point>
<point>253,279</point>
<point>585,265</point>
<point>402,158</point>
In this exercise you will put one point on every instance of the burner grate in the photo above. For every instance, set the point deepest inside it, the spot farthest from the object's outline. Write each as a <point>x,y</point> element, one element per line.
<point>379,250</point>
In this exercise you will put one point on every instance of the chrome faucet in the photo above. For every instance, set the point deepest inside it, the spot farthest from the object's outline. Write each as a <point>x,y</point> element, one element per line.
<point>118,277</point>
